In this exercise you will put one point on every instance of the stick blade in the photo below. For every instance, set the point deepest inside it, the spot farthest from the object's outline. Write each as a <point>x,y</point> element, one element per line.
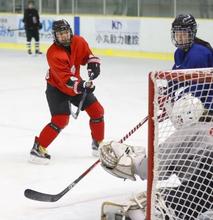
<point>42,197</point>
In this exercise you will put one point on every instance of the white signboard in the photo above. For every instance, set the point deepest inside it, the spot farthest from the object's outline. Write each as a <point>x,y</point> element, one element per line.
<point>12,28</point>
<point>6,22</point>
<point>117,33</point>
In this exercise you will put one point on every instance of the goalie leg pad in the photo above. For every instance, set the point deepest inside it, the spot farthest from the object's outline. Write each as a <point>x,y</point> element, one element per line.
<point>134,209</point>
<point>113,211</point>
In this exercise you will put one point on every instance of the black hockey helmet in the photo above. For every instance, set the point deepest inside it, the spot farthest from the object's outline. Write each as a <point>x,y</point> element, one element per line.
<point>58,26</point>
<point>184,23</point>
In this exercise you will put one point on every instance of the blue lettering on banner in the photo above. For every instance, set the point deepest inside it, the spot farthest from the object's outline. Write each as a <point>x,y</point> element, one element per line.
<point>47,25</point>
<point>117,25</point>
<point>4,32</point>
<point>45,33</point>
<point>4,29</point>
<point>20,24</point>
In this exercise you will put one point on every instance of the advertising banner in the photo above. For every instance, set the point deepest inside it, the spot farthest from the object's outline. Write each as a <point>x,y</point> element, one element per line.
<point>6,23</point>
<point>117,33</point>
<point>12,28</point>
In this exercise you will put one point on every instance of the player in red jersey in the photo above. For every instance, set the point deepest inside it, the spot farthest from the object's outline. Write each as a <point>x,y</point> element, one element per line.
<point>65,87</point>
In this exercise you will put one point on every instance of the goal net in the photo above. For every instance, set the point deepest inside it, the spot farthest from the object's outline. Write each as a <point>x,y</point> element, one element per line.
<point>180,145</point>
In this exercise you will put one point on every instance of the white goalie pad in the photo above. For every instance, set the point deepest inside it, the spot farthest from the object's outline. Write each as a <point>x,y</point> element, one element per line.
<point>126,210</point>
<point>113,211</point>
<point>119,159</point>
<point>208,215</point>
<point>135,209</point>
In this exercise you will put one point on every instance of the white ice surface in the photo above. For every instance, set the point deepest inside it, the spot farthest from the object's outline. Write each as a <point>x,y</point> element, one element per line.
<point>121,88</point>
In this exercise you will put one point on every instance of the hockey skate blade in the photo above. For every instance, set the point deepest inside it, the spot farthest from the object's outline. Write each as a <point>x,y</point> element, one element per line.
<point>37,160</point>
<point>42,197</point>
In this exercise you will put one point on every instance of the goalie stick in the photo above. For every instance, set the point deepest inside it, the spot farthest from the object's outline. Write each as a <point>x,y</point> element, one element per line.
<point>44,197</point>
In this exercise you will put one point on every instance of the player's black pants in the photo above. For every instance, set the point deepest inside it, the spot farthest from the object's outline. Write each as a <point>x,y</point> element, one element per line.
<point>60,103</point>
<point>32,33</point>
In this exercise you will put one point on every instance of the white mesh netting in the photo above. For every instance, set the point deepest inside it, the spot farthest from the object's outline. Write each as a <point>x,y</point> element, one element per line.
<point>183,143</point>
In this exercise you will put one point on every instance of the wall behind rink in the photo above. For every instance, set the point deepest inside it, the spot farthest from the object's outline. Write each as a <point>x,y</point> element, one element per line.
<point>114,36</point>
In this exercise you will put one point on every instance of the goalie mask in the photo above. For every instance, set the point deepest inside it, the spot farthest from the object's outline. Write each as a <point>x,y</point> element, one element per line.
<point>186,110</point>
<point>62,33</point>
<point>183,32</point>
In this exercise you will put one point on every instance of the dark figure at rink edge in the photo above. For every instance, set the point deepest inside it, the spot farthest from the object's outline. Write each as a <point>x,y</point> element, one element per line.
<point>65,87</point>
<point>32,25</point>
<point>127,162</point>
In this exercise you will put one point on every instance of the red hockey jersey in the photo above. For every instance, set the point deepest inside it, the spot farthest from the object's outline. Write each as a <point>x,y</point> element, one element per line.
<point>63,65</point>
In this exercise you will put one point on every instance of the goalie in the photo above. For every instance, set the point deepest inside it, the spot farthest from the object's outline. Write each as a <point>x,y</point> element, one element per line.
<point>189,158</point>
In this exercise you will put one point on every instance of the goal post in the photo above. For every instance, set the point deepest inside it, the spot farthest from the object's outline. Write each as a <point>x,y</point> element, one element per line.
<point>150,165</point>
<point>180,144</point>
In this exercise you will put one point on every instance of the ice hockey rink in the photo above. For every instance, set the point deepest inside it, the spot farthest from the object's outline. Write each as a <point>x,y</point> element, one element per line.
<point>122,88</point>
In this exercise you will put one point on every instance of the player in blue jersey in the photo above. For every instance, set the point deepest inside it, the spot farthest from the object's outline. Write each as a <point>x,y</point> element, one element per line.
<point>191,51</point>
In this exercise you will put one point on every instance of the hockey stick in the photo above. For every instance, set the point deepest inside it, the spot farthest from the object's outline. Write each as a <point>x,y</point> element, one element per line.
<point>15,29</point>
<point>75,114</point>
<point>44,197</point>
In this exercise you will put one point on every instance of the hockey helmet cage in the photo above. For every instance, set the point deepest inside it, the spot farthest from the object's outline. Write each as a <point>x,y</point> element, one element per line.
<point>58,26</point>
<point>184,24</point>
<point>186,111</point>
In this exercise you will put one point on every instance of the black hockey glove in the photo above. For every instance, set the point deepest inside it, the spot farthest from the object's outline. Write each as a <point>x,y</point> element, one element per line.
<point>93,67</point>
<point>83,86</point>
<point>40,26</point>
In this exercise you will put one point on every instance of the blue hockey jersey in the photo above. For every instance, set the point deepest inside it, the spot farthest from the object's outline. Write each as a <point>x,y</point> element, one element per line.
<point>198,56</point>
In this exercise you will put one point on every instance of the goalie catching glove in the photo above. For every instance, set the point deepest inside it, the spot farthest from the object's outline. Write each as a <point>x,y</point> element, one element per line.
<point>121,160</point>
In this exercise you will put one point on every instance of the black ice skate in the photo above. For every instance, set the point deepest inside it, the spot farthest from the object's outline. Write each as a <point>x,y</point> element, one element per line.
<point>39,154</point>
<point>29,52</point>
<point>38,52</point>
<point>95,146</point>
